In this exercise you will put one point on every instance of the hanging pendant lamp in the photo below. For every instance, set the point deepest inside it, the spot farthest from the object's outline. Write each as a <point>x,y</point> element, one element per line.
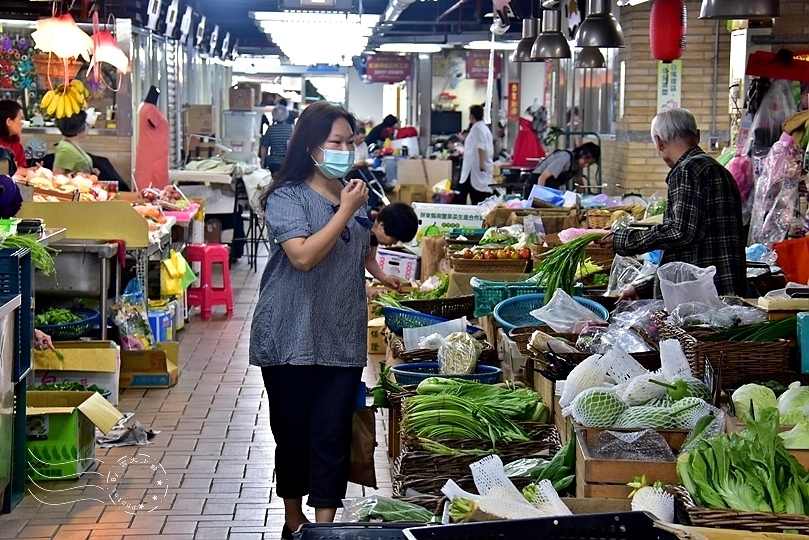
<point>551,42</point>
<point>529,34</point>
<point>667,26</point>
<point>599,28</point>
<point>589,58</point>
<point>739,9</point>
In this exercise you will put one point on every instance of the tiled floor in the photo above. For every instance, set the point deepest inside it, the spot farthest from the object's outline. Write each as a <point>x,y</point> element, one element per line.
<point>208,474</point>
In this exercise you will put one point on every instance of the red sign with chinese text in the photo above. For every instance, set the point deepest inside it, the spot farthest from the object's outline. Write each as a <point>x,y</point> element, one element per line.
<point>477,65</point>
<point>388,68</point>
<point>513,101</point>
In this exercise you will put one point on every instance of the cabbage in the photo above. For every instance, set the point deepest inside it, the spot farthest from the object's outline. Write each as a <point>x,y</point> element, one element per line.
<point>761,396</point>
<point>797,438</point>
<point>792,404</point>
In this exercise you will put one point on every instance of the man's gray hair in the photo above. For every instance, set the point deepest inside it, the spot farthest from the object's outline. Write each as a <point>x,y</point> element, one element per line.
<point>674,124</point>
<point>280,114</point>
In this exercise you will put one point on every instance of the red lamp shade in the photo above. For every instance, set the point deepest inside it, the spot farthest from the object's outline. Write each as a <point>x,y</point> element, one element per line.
<point>667,25</point>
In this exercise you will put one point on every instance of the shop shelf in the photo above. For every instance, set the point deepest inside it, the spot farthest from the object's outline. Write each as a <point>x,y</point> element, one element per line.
<point>15,490</point>
<point>17,277</point>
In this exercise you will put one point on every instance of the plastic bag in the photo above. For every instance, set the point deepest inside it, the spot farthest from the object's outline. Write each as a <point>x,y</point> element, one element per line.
<point>130,316</point>
<point>378,508</point>
<point>776,107</point>
<point>638,314</point>
<point>699,313</point>
<point>682,282</point>
<point>458,354</point>
<point>534,230</point>
<point>655,206</point>
<point>563,314</point>
<point>505,236</point>
<point>776,193</point>
<point>627,272</point>
<point>600,339</point>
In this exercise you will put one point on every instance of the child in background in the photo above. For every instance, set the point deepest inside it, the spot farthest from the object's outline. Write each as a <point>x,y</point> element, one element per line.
<point>395,223</point>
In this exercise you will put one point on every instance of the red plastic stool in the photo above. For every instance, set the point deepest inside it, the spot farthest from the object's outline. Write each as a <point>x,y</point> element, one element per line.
<point>206,296</point>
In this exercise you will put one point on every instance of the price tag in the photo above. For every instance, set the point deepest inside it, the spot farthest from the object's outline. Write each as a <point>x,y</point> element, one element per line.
<point>712,379</point>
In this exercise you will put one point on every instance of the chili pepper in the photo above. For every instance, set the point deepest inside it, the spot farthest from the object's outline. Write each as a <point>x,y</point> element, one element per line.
<point>676,390</point>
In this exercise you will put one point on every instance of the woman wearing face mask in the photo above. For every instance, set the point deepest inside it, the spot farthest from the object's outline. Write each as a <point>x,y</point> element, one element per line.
<point>308,333</point>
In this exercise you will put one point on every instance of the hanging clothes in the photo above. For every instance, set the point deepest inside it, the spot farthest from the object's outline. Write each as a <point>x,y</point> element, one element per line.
<point>152,157</point>
<point>526,145</point>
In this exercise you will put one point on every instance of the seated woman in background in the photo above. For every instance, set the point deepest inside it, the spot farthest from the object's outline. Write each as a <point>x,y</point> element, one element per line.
<point>11,118</point>
<point>70,158</point>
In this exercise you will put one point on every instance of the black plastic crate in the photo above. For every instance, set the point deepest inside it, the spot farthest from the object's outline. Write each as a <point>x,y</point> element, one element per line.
<point>17,277</point>
<point>353,531</point>
<point>613,526</point>
<point>19,470</point>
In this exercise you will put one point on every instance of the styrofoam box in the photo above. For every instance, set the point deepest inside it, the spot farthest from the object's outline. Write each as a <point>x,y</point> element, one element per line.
<point>446,217</point>
<point>398,263</point>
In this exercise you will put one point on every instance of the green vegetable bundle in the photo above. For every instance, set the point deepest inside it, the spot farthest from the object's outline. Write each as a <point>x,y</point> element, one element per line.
<point>759,332</point>
<point>395,299</point>
<point>41,256</point>
<point>561,264</point>
<point>377,508</point>
<point>70,386</point>
<point>751,471</point>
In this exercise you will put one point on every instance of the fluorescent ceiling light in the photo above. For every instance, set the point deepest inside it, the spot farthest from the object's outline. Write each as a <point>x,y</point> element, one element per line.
<point>409,47</point>
<point>489,45</point>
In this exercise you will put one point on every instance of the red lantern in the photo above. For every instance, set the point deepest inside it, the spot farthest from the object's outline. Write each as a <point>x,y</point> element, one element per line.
<point>667,25</point>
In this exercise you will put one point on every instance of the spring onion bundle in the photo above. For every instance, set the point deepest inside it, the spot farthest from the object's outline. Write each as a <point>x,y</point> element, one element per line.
<point>559,267</point>
<point>521,404</point>
<point>760,332</point>
<point>41,256</point>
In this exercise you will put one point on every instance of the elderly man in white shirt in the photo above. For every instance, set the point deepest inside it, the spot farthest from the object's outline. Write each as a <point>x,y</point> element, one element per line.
<point>478,160</point>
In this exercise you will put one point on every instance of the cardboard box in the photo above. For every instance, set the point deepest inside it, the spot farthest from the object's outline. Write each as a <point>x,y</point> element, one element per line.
<point>410,193</point>
<point>198,120</point>
<point>242,98</point>
<point>60,431</point>
<point>446,217</point>
<point>376,336</point>
<point>427,172</point>
<point>213,232</point>
<point>398,263</point>
<point>553,219</point>
<point>85,362</point>
<point>151,369</point>
<point>162,324</point>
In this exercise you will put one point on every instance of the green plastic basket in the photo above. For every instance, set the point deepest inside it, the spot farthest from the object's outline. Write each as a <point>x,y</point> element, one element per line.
<point>490,293</point>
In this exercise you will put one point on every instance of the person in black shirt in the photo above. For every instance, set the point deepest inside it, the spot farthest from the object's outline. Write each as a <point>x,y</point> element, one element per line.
<point>382,131</point>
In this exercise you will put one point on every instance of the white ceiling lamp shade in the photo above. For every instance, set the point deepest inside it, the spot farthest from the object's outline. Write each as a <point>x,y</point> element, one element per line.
<point>530,29</point>
<point>551,42</point>
<point>600,28</point>
<point>425,48</point>
<point>346,34</point>
<point>589,58</point>
<point>740,9</point>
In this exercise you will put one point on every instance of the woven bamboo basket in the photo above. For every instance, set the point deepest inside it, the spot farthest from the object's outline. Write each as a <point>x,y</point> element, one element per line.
<point>735,519</point>
<point>742,361</point>
<point>542,436</point>
<point>598,219</point>
<point>49,66</point>
<point>486,266</point>
<point>487,356</point>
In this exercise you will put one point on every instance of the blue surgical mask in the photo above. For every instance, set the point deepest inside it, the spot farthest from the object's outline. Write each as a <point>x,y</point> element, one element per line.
<point>336,163</point>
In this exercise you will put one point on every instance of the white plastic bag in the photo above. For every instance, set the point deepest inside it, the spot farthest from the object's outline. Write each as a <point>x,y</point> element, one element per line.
<point>563,314</point>
<point>682,282</point>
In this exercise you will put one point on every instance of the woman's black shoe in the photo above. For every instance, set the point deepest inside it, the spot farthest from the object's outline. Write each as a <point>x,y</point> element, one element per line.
<point>286,533</point>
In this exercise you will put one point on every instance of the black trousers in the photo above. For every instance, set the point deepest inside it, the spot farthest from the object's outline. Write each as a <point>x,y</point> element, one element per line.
<point>311,412</point>
<point>465,190</point>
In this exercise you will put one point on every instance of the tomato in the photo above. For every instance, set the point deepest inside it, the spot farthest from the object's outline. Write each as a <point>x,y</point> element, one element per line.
<point>514,254</point>
<point>525,253</point>
<point>488,254</point>
<point>468,254</point>
<point>477,256</point>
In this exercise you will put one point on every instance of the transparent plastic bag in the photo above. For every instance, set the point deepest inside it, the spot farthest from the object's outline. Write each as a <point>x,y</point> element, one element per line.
<point>682,282</point>
<point>638,314</point>
<point>131,318</point>
<point>534,230</point>
<point>563,314</point>
<point>458,354</point>
<point>656,205</point>
<point>646,445</point>
<point>699,313</point>
<point>504,236</point>
<point>600,339</point>
<point>378,508</point>
<point>776,107</point>
<point>776,193</point>
<point>627,272</point>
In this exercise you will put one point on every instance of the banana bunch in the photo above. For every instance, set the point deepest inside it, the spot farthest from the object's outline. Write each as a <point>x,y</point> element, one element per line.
<point>65,101</point>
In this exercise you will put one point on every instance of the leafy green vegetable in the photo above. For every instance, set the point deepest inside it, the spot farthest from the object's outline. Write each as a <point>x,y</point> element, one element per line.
<point>558,268</point>
<point>793,405</point>
<point>379,508</point>
<point>751,471</point>
<point>760,332</point>
<point>70,386</point>
<point>56,316</point>
<point>797,438</point>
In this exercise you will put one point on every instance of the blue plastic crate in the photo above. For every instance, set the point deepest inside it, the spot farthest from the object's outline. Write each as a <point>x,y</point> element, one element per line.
<point>396,320</point>
<point>17,277</point>
<point>515,312</point>
<point>415,372</point>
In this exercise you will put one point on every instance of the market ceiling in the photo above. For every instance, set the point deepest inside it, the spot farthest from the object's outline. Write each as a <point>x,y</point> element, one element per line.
<point>431,20</point>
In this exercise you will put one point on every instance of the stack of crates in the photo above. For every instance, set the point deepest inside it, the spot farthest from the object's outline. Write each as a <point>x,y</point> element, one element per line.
<point>16,277</point>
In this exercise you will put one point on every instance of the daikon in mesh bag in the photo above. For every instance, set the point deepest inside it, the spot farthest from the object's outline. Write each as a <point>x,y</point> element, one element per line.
<point>596,407</point>
<point>588,374</point>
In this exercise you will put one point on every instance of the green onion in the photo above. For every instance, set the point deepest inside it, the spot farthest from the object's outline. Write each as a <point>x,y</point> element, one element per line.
<point>558,268</point>
<point>41,256</point>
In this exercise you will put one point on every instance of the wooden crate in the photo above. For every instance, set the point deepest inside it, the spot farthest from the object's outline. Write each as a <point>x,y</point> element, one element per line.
<point>564,424</point>
<point>544,388</point>
<point>608,478</point>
